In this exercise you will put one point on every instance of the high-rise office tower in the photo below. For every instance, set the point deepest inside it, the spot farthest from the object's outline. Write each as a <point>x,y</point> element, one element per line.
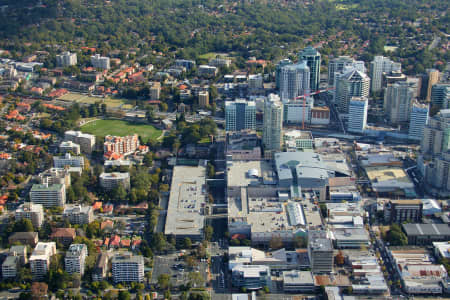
<point>294,80</point>
<point>431,78</point>
<point>418,120</point>
<point>350,83</point>
<point>273,122</point>
<point>240,114</point>
<point>397,101</point>
<point>436,134</point>
<point>440,95</point>
<point>378,66</point>
<point>357,115</point>
<point>278,68</point>
<point>312,57</point>
<point>337,65</point>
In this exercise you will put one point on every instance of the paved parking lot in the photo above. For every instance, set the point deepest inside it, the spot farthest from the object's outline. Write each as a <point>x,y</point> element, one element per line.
<point>163,265</point>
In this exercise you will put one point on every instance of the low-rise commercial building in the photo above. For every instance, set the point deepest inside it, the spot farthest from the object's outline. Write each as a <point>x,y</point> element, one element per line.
<point>417,271</point>
<point>185,213</point>
<point>425,234</point>
<point>127,268</point>
<point>296,140</point>
<point>298,282</point>
<point>350,238</point>
<point>251,277</point>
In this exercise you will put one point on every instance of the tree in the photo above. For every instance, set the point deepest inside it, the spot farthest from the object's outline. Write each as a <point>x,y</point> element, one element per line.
<point>300,242</point>
<point>164,281</point>
<point>276,242</point>
<point>324,210</point>
<point>396,237</point>
<point>190,261</point>
<point>340,258</point>
<point>124,295</point>
<point>209,231</point>
<point>23,225</point>
<point>213,93</point>
<point>196,279</point>
<point>187,243</point>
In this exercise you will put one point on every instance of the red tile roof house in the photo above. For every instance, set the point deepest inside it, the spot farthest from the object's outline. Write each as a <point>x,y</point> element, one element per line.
<point>125,243</point>
<point>65,236</point>
<point>107,225</point>
<point>114,242</point>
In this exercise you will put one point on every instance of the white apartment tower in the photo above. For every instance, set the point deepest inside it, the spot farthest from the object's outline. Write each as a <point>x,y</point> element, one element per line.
<point>337,65</point>
<point>397,102</point>
<point>273,123</point>
<point>86,141</point>
<point>31,211</point>
<point>294,80</point>
<point>357,117</point>
<point>66,59</point>
<point>40,259</point>
<point>49,195</point>
<point>127,268</point>
<point>350,83</point>
<point>378,66</point>
<point>76,258</point>
<point>100,62</point>
<point>436,134</point>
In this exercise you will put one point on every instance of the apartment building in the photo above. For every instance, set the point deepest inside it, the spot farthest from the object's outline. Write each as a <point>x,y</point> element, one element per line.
<point>69,146</point>
<point>56,176</point>
<point>10,267</point>
<point>100,62</point>
<point>24,238</point>
<point>40,259</point>
<point>121,145</point>
<point>86,141</point>
<point>100,270</point>
<point>31,211</point>
<point>77,214</point>
<point>68,160</point>
<point>49,195</point>
<point>75,259</point>
<point>399,211</point>
<point>127,268</point>
<point>110,181</point>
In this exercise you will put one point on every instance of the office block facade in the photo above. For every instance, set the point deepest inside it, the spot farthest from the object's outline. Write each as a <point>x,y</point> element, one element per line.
<point>239,115</point>
<point>313,59</point>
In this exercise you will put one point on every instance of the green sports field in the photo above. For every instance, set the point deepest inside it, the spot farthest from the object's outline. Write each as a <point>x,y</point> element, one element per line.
<point>121,128</point>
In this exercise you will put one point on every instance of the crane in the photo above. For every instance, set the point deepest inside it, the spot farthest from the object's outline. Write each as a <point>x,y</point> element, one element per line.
<point>304,101</point>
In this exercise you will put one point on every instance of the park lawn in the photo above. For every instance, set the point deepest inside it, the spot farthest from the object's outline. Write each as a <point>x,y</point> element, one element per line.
<point>121,128</point>
<point>85,99</point>
<point>208,56</point>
